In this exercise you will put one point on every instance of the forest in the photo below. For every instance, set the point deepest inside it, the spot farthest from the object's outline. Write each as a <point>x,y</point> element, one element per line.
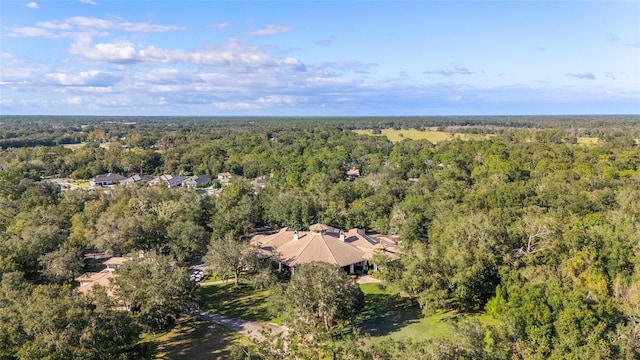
<point>530,226</point>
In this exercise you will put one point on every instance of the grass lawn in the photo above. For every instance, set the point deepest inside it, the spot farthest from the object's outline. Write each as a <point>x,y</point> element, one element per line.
<point>414,134</point>
<point>385,313</point>
<point>74,147</point>
<point>588,140</point>
<point>243,302</point>
<point>389,316</point>
<point>82,184</point>
<point>197,339</point>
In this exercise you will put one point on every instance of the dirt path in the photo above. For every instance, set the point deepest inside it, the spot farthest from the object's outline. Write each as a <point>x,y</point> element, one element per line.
<point>250,329</point>
<point>367,279</point>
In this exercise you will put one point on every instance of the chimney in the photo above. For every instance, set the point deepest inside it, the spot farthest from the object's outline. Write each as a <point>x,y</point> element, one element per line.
<point>295,235</point>
<point>341,235</point>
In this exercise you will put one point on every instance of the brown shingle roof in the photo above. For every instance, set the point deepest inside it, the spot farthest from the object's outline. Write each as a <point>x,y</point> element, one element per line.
<point>271,242</point>
<point>88,280</point>
<point>319,228</point>
<point>323,243</point>
<point>115,260</point>
<point>319,247</point>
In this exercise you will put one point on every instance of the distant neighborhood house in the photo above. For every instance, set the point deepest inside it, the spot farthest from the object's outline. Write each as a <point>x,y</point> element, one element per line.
<point>225,178</point>
<point>260,182</point>
<point>135,179</point>
<point>353,174</point>
<point>197,181</point>
<point>170,181</point>
<point>106,179</point>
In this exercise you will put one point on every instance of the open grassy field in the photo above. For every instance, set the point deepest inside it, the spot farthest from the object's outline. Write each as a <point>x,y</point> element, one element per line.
<point>431,135</point>
<point>82,184</point>
<point>588,140</point>
<point>385,315</point>
<point>197,339</point>
<point>75,147</point>
<point>390,316</point>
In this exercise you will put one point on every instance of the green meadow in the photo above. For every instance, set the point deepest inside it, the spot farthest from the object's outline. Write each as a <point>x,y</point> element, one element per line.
<point>431,135</point>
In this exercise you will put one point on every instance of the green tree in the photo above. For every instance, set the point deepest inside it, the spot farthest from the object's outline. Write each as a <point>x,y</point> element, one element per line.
<point>320,299</point>
<point>230,257</point>
<point>62,265</point>
<point>156,291</point>
<point>54,322</point>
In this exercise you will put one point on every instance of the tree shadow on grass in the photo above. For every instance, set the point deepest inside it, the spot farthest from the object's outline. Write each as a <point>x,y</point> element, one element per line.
<point>196,339</point>
<point>386,313</point>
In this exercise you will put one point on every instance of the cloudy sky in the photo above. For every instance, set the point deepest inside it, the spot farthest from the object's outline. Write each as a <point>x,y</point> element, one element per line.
<point>319,57</point>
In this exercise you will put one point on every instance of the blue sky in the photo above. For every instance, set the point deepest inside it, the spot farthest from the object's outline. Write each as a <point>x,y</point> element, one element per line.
<point>319,58</point>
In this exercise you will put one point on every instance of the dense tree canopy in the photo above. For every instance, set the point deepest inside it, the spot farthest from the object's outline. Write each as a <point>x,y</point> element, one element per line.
<point>320,298</point>
<point>531,224</point>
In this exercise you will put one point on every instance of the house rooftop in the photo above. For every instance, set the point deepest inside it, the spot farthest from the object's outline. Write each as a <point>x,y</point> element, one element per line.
<point>108,177</point>
<point>115,260</point>
<point>323,243</point>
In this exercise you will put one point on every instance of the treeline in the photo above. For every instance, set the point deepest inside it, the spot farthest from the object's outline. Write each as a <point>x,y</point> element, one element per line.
<point>27,131</point>
<point>536,230</point>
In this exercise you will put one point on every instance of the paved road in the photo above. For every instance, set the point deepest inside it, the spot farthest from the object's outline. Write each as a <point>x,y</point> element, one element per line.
<point>251,329</point>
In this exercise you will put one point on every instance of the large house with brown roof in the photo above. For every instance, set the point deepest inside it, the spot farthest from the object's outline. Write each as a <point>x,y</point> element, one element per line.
<point>352,250</point>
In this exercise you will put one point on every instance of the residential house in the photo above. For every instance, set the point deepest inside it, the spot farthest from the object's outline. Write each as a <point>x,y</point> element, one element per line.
<point>115,262</point>
<point>197,181</point>
<point>353,250</point>
<point>135,179</point>
<point>259,183</point>
<point>353,174</point>
<point>89,279</point>
<point>225,178</point>
<point>170,180</point>
<point>106,179</point>
<point>103,278</point>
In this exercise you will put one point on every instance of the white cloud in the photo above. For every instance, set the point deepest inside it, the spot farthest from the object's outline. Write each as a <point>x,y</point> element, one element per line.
<point>278,100</point>
<point>76,100</point>
<point>271,29</point>
<point>457,70</point>
<point>32,5</point>
<point>6,102</point>
<point>583,76</point>
<point>91,78</point>
<point>82,22</point>
<point>223,25</point>
<point>89,2</point>
<point>233,55</point>
<point>326,41</point>
<point>108,52</point>
<point>167,76</point>
<point>29,31</point>
<point>350,66</point>
<point>239,105</point>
